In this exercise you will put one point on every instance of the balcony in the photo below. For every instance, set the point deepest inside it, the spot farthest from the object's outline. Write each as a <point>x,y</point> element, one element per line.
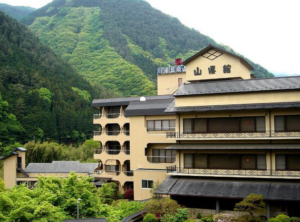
<point>126,148</point>
<point>97,151</point>
<point>97,133</point>
<point>233,135</point>
<point>112,129</point>
<point>173,170</point>
<point>161,159</point>
<point>171,69</point>
<point>113,148</point>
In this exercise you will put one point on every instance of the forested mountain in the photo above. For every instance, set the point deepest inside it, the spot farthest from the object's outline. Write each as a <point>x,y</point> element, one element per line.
<point>17,12</point>
<point>118,43</point>
<point>41,97</point>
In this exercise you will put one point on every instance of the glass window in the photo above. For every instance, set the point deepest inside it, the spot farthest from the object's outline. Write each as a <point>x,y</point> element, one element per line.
<point>261,162</point>
<point>187,126</point>
<point>248,161</point>
<point>157,125</point>
<point>260,124</point>
<point>292,123</point>
<point>147,184</point>
<point>200,161</point>
<point>280,162</point>
<point>220,125</point>
<point>172,124</point>
<point>188,160</point>
<point>279,123</point>
<point>293,162</point>
<point>248,124</point>
<point>150,125</point>
<point>200,125</point>
<point>165,125</point>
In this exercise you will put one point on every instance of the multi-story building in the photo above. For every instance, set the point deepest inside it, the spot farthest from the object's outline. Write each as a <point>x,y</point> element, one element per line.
<point>212,135</point>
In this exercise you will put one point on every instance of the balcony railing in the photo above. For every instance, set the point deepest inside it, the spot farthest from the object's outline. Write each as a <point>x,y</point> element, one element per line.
<point>161,159</point>
<point>238,172</point>
<point>112,133</point>
<point>97,133</point>
<point>97,116</point>
<point>171,69</point>
<point>113,152</point>
<point>266,134</point>
<point>97,151</point>
<point>128,173</point>
<point>112,115</point>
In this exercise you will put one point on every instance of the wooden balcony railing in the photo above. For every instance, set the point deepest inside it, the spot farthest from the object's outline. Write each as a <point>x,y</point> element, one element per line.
<point>237,172</point>
<point>266,134</point>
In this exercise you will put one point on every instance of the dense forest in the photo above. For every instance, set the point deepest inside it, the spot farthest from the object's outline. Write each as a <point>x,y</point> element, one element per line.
<point>118,43</point>
<point>17,12</point>
<point>41,97</point>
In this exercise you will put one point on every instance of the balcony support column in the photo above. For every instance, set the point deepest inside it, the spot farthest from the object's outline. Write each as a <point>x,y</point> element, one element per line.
<point>217,206</point>
<point>268,210</point>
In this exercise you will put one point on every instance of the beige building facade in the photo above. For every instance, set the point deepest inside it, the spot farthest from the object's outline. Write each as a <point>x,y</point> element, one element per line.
<point>212,135</point>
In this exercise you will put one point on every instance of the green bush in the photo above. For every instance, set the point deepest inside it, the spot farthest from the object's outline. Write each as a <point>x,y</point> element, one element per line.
<point>189,220</point>
<point>283,218</point>
<point>295,219</point>
<point>206,219</point>
<point>199,216</point>
<point>150,218</point>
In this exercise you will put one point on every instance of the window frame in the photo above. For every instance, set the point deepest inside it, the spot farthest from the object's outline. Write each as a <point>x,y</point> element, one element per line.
<point>164,151</point>
<point>152,181</point>
<point>193,120</point>
<point>284,124</point>
<point>161,125</point>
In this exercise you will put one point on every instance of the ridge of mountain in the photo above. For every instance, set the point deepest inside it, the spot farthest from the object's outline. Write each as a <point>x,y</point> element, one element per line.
<point>17,12</point>
<point>43,96</point>
<point>118,43</point>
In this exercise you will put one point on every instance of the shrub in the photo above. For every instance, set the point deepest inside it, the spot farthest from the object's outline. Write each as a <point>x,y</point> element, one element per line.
<point>283,218</point>
<point>181,216</point>
<point>199,216</point>
<point>189,220</point>
<point>129,194</point>
<point>162,206</point>
<point>150,218</point>
<point>207,219</point>
<point>295,219</point>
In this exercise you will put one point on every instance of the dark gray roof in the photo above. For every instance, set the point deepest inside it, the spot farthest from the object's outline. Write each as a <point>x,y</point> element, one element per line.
<point>148,107</point>
<point>86,220</point>
<point>124,101</point>
<point>210,47</point>
<point>234,147</point>
<point>134,216</point>
<point>230,188</point>
<point>172,109</point>
<point>61,167</point>
<point>14,152</point>
<point>239,86</point>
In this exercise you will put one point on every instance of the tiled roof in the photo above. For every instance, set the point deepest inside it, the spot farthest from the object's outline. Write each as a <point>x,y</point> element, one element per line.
<point>239,86</point>
<point>219,146</point>
<point>61,167</point>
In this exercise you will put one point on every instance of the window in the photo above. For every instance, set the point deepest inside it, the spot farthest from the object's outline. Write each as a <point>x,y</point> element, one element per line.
<point>111,168</point>
<point>147,184</point>
<point>224,125</point>
<point>160,125</point>
<point>179,82</point>
<point>287,161</point>
<point>163,156</point>
<point>287,123</point>
<point>225,161</point>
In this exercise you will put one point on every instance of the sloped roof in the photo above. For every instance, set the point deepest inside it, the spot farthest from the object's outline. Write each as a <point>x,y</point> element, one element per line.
<point>61,167</point>
<point>125,101</point>
<point>210,47</point>
<point>14,152</point>
<point>230,188</point>
<point>239,86</point>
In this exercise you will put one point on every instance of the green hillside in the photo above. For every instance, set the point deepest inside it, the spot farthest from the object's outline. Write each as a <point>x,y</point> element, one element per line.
<point>41,97</point>
<point>118,43</point>
<point>17,12</point>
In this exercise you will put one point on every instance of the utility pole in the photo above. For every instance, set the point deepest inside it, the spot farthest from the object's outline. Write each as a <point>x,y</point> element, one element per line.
<point>78,202</point>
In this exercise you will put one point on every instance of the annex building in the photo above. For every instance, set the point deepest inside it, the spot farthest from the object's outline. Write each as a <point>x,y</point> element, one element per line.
<point>212,135</point>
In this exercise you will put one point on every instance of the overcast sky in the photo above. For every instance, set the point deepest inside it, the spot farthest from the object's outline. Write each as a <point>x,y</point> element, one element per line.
<point>265,31</point>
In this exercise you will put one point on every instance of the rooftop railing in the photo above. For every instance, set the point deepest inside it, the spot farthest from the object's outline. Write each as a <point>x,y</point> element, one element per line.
<point>225,135</point>
<point>230,172</point>
<point>171,69</point>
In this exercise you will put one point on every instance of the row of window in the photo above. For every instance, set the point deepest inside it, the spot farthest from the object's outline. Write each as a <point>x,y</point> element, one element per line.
<point>225,161</point>
<point>229,124</point>
<point>161,125</point>
<point>163,156</point>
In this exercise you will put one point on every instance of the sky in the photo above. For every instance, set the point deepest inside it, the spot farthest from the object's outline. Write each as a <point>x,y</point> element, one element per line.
<point>265,31</point>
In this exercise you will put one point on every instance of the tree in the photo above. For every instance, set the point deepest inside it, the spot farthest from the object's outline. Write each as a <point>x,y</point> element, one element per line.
<point>108,193</point>
<point>254,205</point>
<point>161,206</point>
<point>150,218</point>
